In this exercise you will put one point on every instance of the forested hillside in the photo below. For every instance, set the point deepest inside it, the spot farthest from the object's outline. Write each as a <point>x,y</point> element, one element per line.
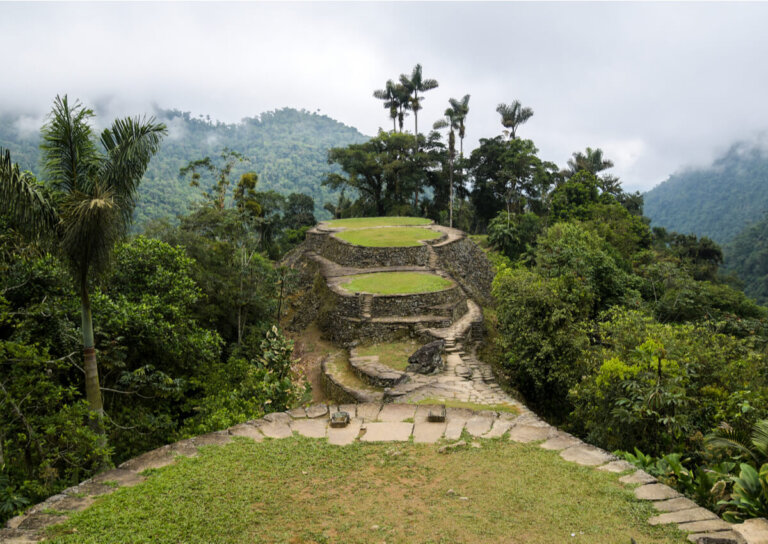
<point>287,148</point>
<point>747,256</point>
<point>718,201</point>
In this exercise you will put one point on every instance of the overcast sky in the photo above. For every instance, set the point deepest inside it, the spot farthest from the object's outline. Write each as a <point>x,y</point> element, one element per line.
<point>657,86</point>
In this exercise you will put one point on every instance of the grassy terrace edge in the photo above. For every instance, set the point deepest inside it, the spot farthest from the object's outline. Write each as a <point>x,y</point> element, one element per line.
<point>305,490</point>
<point>396,283</point>
<point>387,236</point>
<point>362,222</point>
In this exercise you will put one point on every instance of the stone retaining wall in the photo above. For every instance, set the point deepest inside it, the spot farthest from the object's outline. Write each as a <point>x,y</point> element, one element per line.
<point>469,265</point>
<point>346,254</point>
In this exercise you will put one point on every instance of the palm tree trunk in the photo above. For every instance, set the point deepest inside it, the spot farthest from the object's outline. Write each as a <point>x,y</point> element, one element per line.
<point>92,386</point>
<point>450,203</point>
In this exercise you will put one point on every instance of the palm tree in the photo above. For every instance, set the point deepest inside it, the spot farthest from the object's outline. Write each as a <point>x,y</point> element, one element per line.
<point>387,94</point>
<point>461,107</point>
<point>451,122</point>
<point>512,116</point>
<point>592,161</point>
<point>417,84</point>
<point>403,100</point>
<point>87,202</point>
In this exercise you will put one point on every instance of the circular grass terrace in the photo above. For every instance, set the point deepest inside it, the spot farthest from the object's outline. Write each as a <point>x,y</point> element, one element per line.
<point>387,236</point>
<point>396,283</point>
<point>364,222</point>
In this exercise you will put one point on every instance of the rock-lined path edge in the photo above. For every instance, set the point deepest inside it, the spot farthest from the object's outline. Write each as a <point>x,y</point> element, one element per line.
<point>377,422</point>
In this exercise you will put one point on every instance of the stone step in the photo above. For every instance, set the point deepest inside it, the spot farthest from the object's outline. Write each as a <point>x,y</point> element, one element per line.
<point>371,371</point>
<point>344,385</point>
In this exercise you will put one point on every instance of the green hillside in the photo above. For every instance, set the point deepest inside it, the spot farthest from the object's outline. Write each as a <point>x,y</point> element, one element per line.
<point>718,201</point>
<point>747,256</point>
<point>286,147</point>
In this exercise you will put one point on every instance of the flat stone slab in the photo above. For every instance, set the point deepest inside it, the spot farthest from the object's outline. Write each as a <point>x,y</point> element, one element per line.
<point>317,410</point>
<point>425,432</point>
<point>454,425</point>
<point>343,436</point>
<point>369,411</point>
<point>617,466</point>
<point>160,457</point>
<point>479,424</point>
<point>16,536</point>
<point>586,455</point>
<point>673,505</point>
<point>530,433</point>
<point>311,428</point>
<point>72,504</point>
<point>500,426</point>
<point>40,520</point>
<point>248,431</point>
<point>387,432</point>
<point>754,531</point>
<point>655,492</point>
<point>278,417</point>
<point>560,441</point>
<point>122,477</point>
<point>638,477</point>
<point>720,537</point>
<point>705,526</point>
<point>218,438</point>
<point>276,429</point>
<point>684,516</point>
<point>297,413</point>
<point>397,412</point>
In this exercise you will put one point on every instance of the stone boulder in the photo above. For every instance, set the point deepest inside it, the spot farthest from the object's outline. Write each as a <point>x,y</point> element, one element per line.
<point>427,359</point>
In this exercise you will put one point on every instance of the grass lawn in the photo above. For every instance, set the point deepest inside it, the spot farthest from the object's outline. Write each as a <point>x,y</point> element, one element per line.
<point>387,236</point>
<point>393,354</point>
<point>392,283</point>
<point>301,491</point>
<point>361,222</point>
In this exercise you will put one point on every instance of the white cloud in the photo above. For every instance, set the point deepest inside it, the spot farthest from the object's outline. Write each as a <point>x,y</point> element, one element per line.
<point>657,85</point>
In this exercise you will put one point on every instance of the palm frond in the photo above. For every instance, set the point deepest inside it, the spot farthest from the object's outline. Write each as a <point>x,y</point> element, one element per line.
<point>730,439</point>
<point>760,437</point>
<point>69,154</point>
<point>129,144</point>
<point>24,200</point>
<point>90,228</point>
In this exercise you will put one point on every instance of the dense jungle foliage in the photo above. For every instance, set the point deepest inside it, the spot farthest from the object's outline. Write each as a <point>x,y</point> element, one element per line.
<point>287,147</point>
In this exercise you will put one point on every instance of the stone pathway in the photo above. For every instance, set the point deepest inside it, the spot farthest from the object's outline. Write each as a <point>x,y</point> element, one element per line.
<point>399,423</point>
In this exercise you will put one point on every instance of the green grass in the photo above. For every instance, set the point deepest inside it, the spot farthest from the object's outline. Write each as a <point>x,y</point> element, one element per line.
<point>388,236</point>
<point>393,354</point>
<point>451,403</point>
<point>392,283</point>
<point>361,222</point>
<point>301,491</point>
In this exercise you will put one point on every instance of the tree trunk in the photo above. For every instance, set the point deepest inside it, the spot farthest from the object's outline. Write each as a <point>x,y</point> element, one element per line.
<point>450,183</point>
<point>92,386</point>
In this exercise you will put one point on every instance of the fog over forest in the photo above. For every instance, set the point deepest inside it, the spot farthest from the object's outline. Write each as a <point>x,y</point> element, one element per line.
<point>659,87</point>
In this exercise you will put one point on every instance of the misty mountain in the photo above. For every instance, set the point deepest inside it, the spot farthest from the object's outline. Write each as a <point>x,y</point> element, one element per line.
<point>287,148</point>
<point>718,201</point>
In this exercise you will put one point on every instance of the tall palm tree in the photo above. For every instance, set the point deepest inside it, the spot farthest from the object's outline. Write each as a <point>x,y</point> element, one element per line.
<point>416,84</point>
<point>592,161</point>
<point>87,202</point>
<point>387,94</point>
<point>461,107</point>
<point>403,100</point>
<point>512,116</point>
<point>451,122</point>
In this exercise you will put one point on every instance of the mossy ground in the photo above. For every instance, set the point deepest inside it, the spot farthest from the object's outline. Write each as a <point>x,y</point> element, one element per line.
<point>388,236</point>
<point>393,354</point>
<point>300,490</point>
<point>394,283</point>
<point>361,222</point>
